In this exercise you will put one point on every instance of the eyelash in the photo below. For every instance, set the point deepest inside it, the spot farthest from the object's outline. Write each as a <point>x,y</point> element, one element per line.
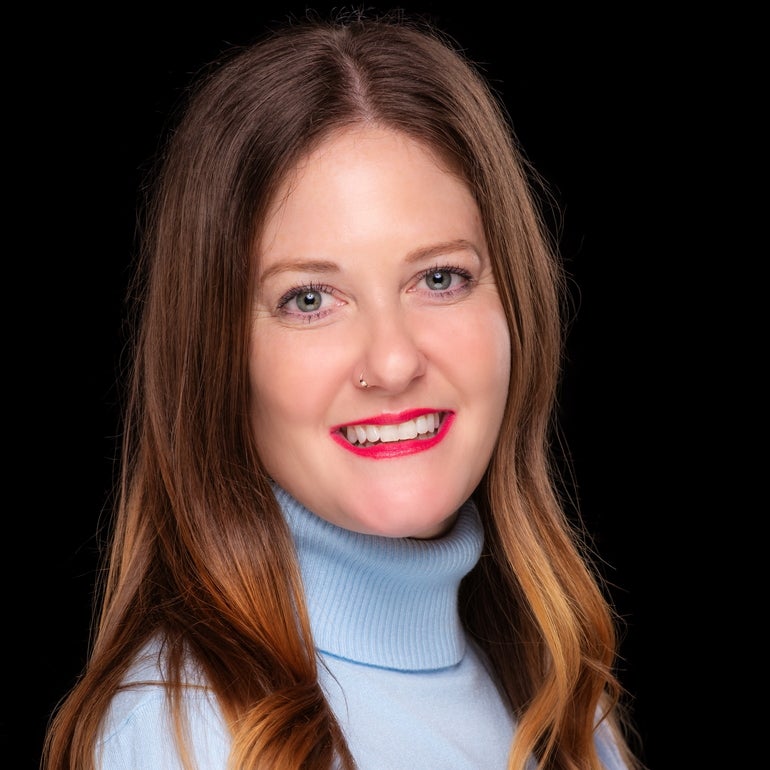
<point>455,270</point>
<point>306,288</point>
<point>326,289</point>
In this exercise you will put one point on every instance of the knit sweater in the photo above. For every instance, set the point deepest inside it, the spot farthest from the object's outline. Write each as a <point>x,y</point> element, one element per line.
<point>407,685</point>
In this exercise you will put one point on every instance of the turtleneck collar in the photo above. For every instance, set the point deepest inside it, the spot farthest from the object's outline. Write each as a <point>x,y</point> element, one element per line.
<point>381,601</point>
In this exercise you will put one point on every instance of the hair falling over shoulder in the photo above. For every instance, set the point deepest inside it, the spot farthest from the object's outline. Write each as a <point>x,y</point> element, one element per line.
<point>200,555</point>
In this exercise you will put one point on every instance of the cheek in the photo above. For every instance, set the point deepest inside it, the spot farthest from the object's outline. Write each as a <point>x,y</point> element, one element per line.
<point>479,350</point>
<point>494,363</point>
<point>273,387</point>
<point>292,379</point>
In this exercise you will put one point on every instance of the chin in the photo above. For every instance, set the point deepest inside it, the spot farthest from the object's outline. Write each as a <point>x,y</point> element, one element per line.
<point>418,526</point>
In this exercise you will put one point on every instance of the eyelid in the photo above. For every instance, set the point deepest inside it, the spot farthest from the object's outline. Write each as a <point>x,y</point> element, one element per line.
<point>297,316</point>
<point>455,270</point>
<point>295,291</point>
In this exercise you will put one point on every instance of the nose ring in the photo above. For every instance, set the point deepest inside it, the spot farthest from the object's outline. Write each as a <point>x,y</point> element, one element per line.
<point>362,382</point>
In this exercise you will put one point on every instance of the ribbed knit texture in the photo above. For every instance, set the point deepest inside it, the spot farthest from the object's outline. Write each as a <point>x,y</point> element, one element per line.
<point>382,601</point>
<point>407,688</point>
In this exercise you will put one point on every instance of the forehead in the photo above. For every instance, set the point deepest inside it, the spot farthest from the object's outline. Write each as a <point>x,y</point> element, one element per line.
<point>368,182</point>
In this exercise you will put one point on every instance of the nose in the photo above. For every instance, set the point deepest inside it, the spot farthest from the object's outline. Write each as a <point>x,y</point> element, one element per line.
<point>392,357</point>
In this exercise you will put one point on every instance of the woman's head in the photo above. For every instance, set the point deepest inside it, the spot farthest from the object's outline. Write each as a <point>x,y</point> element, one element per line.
<point>373,264</point>
<point>253,126</point>
<point>343,237</point>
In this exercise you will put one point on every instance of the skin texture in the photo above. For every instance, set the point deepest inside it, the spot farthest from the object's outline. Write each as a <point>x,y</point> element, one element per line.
<point>363,225</point>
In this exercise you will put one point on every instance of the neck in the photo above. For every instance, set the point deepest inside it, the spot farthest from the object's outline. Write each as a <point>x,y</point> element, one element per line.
<point>388,602</point>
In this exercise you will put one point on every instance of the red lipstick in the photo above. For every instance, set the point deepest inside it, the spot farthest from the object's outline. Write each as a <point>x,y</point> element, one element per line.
<point>389,449</point>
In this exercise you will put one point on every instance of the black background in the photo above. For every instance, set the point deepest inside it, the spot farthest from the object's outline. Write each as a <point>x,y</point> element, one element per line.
<point>596,101</point>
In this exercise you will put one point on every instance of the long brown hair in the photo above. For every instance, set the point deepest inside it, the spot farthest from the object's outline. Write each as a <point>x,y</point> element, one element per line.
<point>200,554</point>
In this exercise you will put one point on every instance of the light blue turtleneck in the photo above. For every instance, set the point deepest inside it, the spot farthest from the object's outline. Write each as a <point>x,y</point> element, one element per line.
<point>406,684</point>
<point>408,687</point>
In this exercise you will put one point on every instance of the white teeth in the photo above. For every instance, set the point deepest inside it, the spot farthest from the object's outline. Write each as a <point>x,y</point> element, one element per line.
<point>361,434</point>
<point>407,430</point>
<point>388,433</point>
<point>428,423</point>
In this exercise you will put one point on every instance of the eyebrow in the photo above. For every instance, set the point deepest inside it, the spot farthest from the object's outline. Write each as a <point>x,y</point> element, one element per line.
<point>300,266</point>
<point>327,266</point>
<point>425,252</point>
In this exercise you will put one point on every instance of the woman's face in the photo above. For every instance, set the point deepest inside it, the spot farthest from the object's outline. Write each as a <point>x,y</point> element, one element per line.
<point>373,263</point>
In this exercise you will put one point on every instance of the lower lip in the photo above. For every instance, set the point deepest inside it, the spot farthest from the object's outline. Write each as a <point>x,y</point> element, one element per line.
<point>390,449</point>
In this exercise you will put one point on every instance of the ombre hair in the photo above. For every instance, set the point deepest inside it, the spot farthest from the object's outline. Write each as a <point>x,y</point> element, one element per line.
<point>200,555</point>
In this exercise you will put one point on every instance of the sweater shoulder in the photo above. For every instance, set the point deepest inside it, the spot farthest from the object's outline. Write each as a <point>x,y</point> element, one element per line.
<point>138,730</point>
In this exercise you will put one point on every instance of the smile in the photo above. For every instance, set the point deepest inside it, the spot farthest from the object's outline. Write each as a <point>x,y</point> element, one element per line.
<point>382,438</point>
<point>423,427</point>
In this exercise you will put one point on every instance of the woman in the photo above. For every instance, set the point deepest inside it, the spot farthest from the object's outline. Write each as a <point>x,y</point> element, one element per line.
<point>338,539</point>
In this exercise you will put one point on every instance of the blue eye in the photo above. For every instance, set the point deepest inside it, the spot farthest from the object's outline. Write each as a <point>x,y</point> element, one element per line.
<point>308,301</point>
<point>439,279</point>
<point>447,280</point>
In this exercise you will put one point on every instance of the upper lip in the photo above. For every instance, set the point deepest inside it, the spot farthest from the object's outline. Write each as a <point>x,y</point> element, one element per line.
<point>391,418</point>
